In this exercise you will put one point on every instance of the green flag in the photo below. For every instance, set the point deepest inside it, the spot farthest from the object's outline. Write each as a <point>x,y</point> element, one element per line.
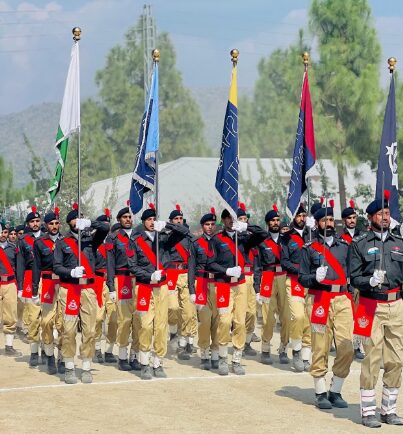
<point>69,119</point>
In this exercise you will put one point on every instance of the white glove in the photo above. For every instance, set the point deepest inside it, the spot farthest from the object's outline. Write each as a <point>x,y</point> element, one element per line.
<point>310,222</point>
<point>20,297</point>
<point>35,300</point>
<point>393,223</point>
<point>234,272</point>
<point>159,225</point>
<point>77,272</point>
<point>112,296</point>
<point>193,298</point>
<point>321,273</point>
<point>377,278</point>
<point>239,226</point>
<point>82,224</point>
<point>258,299</point>
<point>156,276</point>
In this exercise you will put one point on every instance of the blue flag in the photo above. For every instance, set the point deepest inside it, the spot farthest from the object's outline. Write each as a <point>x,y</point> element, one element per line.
<point>143,180</point>
<point>387,163</point>
<point>304,151</point>
<point>228,168</point>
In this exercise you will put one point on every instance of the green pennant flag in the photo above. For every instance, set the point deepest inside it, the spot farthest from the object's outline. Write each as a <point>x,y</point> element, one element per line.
<point>69,119</point>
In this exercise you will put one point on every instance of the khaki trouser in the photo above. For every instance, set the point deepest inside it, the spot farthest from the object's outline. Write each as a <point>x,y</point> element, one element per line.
<point>88,314</point>
<point>48,319</point>
<point>300,316</point>
<point>208,322</point>
<point>340,325</point>
<point>107,313</point>
<point>22,320</point>
<point>174,317</point>
<point>386,341</point>
<point>127,320</point>
<point>250,321</point>
<point>235,316</point>
<point>188,317</point>
<point>278,304</point>
<point>8,296</point>
<point>154,323</point>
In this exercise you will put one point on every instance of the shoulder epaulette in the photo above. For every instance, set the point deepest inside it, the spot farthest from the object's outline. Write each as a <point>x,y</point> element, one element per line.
<point>360,237</point>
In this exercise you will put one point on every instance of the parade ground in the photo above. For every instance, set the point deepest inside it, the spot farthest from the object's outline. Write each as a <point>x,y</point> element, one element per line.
<point>268,399</point>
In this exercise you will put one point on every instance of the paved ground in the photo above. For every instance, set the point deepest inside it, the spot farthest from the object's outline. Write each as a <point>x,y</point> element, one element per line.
<point>268,399</point>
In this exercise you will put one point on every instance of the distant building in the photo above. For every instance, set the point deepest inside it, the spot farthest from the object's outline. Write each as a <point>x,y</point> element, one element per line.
<point>190,181</point>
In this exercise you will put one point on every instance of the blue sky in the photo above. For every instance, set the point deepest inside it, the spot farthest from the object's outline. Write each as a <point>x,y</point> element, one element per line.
<point>35,39</point>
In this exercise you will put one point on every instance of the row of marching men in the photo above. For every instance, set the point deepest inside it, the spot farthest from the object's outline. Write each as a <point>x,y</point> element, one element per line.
<point>158,277</point>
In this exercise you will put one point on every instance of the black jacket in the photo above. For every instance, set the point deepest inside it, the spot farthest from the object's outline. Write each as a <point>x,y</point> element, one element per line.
<point>291,252</point>
<point>223,258</point>
<point>365,258</point>
<point>25,257</point>
<point>139,265</point>
<point>197,261</point>
<point>311,260</point>
<point>11,252</point>
<point>43,260</point>
<point>65,260</point>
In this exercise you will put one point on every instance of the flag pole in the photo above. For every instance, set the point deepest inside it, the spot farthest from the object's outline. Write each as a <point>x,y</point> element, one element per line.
<point>156,58</point>
<point>234,59</point>
<point>305,60</point>
<point>76,37</point>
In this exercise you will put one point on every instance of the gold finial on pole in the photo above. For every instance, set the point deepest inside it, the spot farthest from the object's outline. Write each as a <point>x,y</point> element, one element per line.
<point>305,59</point>
<point>76,33</point>
<point>156,55</point>
<point>234,56</point>
<point>392,64</point>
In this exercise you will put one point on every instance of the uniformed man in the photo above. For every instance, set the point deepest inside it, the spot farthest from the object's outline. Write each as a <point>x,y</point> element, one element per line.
<point>8,292</point>
<point>181,311</point>
<point>250,321</point>
<point>324,270</point>
<point>297,296</point>
<point>272,290</point>
<point>377,272</point>
<point>20,229</point>
<point>152,290</point>
<point>106,312</point>
<point>350,230</point>
<point>12,235</point>
<point>122,283</point>
<point>76,271</point>
<point>202,292</point>
<point>231,291</point>
<point>25,258</point>
<point>45,279</point>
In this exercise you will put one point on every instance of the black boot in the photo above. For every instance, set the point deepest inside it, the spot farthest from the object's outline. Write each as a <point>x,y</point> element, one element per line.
<point>124,365</point>
<point>34,360</point>
<point>51,365</point>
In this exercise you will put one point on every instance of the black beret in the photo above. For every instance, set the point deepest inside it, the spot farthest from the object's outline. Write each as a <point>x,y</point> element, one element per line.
<point>349,210</point>
<point>321,212</point>
<point>123,211</point>
<point>241,210</point>
<point>271,214</point>
<point>301,209</point>
<point>149,212</point>
<point>225,213</point>
<point>19,228</point>
<point>176,212</point>
<point>50,216</point>
<point>209,217</point>
<point>376,205</point>
<point>32,215</point>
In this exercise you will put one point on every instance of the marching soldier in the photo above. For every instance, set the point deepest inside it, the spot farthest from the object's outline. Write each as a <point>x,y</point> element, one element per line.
<point>20,229</point>
<point>202,292</point>
<point>106,313</point>
<point>273,296</point>
<point>122,283</point>
<point>298,300</point>
<point>8,292</point>
<point>350,231</point>
<point>152,290</point>
<point>377,272</point>
<point>12,235</point>
<point>25,259</point>
<point>76,293</point>
<point>43,277</point>
<point>324,271</point>
<point>250,320</point>
<point>181,312</point>
<point>231,290</point>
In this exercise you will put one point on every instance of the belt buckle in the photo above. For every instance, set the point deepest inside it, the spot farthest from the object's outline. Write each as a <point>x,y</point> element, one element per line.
<point>278,269</point>
<point>234,279</point>
<point>335,288</point>
<point>392,296</point>
<point>82,281</point>
<point>247,269</point>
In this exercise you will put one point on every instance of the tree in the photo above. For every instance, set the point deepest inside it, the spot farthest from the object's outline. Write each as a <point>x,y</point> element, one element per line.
<point>111,124</point>
<point>348,80</point>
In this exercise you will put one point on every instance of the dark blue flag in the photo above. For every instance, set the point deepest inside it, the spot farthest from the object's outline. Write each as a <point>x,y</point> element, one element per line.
<point>143,180</point>
<point>228,168</point>
<point>387,163</point>
<point>304,151</point>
